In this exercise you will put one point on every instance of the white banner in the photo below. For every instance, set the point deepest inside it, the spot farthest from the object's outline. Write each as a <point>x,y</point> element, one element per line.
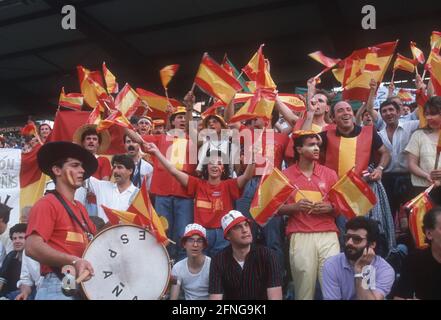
<point>10,162</point>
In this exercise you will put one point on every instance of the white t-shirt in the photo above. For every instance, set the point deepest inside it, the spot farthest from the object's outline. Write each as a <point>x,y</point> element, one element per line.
<point>195,286</point>
<point>6,241</point>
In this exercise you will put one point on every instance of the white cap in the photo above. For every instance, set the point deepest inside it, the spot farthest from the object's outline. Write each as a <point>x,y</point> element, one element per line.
<point>231,219</point>
<point>194,228</point>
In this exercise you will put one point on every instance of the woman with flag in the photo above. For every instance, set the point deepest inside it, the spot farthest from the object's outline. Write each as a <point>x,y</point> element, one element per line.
<point>214,195</point>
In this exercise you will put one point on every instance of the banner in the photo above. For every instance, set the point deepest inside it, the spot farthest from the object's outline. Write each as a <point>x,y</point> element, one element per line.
<point>10,161</point>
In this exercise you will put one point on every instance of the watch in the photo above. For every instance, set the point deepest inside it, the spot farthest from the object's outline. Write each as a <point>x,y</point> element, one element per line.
<point>380,167</point>
<point>358,275</point>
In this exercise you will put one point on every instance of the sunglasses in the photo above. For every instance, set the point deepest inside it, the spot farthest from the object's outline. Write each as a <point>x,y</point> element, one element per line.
<point>356,239</point>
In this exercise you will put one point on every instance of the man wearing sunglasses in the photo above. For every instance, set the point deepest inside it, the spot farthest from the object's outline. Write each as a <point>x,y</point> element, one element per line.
<point>358,273</point>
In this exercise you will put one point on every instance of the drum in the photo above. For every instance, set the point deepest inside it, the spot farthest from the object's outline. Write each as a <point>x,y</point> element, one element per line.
<point>129,264</point>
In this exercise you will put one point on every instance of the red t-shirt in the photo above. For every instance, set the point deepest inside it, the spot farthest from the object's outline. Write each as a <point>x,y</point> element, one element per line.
<point>313,189</point>
<point>212,202</point>
<point>50,220</point>
<point>104,168</point>
<point>163,183</point>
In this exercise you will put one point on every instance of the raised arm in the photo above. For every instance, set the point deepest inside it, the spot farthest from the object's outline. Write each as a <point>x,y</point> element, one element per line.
<point>182,177</point>
<point>246,176</point>
<point>189,101</point>
<point>371,99</point>
<point>286,112</point>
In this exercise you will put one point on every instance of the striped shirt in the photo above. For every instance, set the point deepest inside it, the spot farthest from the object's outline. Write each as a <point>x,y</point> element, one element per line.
<point>260,272</point>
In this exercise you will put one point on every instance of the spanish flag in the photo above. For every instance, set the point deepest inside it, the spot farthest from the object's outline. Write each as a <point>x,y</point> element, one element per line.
<point>259,106</point>
<point>274,189</point>
<point>434,67</point>
<point>405,64</point>
<point>29,129</point>
<point>72,101</point>
<point>405,95</point>
<point>116,118</point>
<point>231,69</point>
<point>418,208</point>
<point>350,72</point>
<point>167,73</point>
<point>117,216</point>
<point>417,53</point>
<point>324,60</point>
<point>94,117</point>
<point>352,196</point>
<point>215,81</point>
<point>257,71</point>
<point>91,84</point>
<point>421,99</point>
<point>142,206</point>
<point>32,180</point>
<point>157,103</point>
<point>435,45</point>
<point>112,85</point>
<point>127,101</point>
<point>294,101</point>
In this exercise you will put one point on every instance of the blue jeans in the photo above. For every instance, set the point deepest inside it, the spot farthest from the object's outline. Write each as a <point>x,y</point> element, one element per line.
<point>178,212</point>
<point>216,242</point>
<point>272,233</point>
<point>50,289</point>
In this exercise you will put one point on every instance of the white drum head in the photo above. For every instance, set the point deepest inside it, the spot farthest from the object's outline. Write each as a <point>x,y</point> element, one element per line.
<point>129,264</point>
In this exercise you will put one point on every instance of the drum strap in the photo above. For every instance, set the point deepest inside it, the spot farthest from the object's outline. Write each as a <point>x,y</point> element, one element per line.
<point>84,226</point>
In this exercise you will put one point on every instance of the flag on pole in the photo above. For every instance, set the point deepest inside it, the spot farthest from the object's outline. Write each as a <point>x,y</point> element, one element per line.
<point>157,103</point>
<point>91,84</point>
<point>417,53</point>
<point>257,70</point>
<point>30,129</point>
<point>231,69</point>
<point>434,67</point>
<point>142,206</point>
<point>127,101</point>
<point>94,117</point>
<point>405,64</point>
<point>115,118</point>
<point>324,60</point>
<point>259,106</point>
<point>421,99</point>
<point>215,81</point>
<point>274,189</point>
<point>167,73</point>
<point>118,216</point>
<point>72,101</point>
<point>112,85</point>
<point>418,207</point>
<point>352,196</point>
<point>405,95</point>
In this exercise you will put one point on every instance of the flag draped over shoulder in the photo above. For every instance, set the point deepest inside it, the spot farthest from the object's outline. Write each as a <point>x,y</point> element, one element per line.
<point>274,189</point>
<point>72,101</point>
<point>352,196</point>
<point>259,106</point>
<point>418,207</point>
<point>167,73</point>
<point>257,71</point>
<point>353,76</point>
<point>215,81</point>
<point>111,84</point>
<point>405,64</point>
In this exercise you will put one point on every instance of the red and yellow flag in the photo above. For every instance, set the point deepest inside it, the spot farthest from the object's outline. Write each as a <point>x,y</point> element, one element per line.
<point>72,101</point>
<point>405,64</point>
<point>417,53</point>
<point>352,196</point>
<point>127,101</point>
<point>91,84</point>
<point>435,45</point>
<point>116,118</point>
<point>167,73</point>
<point>274,189</point>
<point>112,85</point>
<point>438,146</point>
<point>30,129</point>
<point>405,95</point>
<point>421,99</point>
<point>257,70</point>
<point>215,81</point>
<point>142,206</point>
<point>418,207</point>
<point>324,60</point>
<point>434,67</point>
<point>157,103</point>
<point>94,117</point>
<point>294,101</point>
<point>259,106</point>
<point>118,216</point>
<point>351,72</point>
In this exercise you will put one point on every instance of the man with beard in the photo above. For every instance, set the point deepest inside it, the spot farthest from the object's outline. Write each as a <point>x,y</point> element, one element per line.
<point>243,271</point>
<point>59,227</point>
<point>142,168</point>
<point>116,195</point>
<point>358,273</point>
